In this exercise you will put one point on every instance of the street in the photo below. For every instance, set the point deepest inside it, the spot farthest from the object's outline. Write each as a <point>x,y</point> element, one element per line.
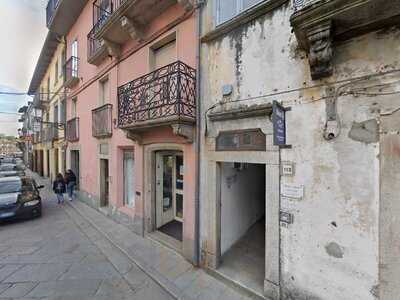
<point>52,258</point>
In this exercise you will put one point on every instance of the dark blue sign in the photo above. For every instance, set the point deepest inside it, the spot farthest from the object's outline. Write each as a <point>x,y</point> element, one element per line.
<point>279,123</point>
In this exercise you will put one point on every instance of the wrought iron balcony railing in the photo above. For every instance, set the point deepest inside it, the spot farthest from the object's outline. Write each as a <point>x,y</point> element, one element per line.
<point>168,93</point>
<point>94,45</point>
<point>50,10</point>
<point>102,121</point>
<point>72,130</point>
<point>300,4</point>
<point>71,68</point>
<point>40,100</point>
<point>102,10</point>
<point>50,132</point>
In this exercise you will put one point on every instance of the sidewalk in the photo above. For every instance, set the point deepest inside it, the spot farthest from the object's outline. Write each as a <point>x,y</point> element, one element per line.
<point>126,249</point>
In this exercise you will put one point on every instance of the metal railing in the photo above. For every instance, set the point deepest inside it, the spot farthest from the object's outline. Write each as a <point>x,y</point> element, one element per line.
<point>40,99</point>
<point>102,10</point>
<point>93,44</point>
<point>72,130</point>
<point>71,68</point>
<point>167,92</point>
<point>102,121</point>
<point>300,4</point>
<point>50,10</point>
<point>50,132</point>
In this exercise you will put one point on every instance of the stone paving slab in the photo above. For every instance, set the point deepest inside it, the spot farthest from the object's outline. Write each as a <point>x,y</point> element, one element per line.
<point>37,272</point>
<point>18,290</point>
<point>76,288</point>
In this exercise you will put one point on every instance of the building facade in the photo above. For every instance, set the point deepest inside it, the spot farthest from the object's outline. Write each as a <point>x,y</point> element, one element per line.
<point>314,219</point>
<point>47,87</point>
<point>130,75</point>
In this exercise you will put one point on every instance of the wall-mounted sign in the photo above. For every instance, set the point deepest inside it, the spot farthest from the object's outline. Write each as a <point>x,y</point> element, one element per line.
<point>279,124</point>
<point>292,191</point>
<point>241,140</point>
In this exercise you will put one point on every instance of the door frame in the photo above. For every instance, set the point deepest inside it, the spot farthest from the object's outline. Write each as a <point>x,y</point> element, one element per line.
<point>104,193</point>
<point>160,154</point>
<point>149,167</point>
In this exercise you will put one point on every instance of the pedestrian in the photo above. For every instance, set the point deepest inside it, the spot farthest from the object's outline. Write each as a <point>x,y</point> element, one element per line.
<point>70,181</point>
<point>59,188</point>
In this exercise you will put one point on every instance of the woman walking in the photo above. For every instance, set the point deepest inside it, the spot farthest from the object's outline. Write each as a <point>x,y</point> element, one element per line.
<point>70,180</point>
<point>59,188</point>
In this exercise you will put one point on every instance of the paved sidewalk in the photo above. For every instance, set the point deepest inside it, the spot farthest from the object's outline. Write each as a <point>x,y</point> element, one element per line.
<point>143,261</point>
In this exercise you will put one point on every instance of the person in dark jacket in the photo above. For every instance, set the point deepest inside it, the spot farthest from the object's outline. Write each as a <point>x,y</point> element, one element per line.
<point>70,181</point>
<point>59,188</point>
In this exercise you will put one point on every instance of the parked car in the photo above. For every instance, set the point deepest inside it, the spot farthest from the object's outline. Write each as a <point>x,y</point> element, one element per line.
<point>19,198</point>
<point>8,160</point>
<point>8,170</point>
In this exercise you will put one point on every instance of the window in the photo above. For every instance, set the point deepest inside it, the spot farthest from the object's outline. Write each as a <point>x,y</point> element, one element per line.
<point>56,72</point>
<point>62,111</point>
<point>129,179</point>
<point>73,108</point>
<point>228,9</point>
<point>55,118</point>
<point>48,89</point>
<point>104,92</point>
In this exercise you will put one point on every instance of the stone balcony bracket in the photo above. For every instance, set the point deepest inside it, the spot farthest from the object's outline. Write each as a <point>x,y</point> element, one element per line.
<point>133,28</point>
<point>186,4</point>
<point>184,130</point>
<point>113,49</point>
<point>320,51</point>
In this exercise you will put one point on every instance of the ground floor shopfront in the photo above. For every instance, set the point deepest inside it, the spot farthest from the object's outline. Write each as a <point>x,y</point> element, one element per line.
<point>148,185</point>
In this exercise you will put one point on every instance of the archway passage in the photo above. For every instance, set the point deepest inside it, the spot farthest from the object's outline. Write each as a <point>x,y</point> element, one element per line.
<point>243,205</point>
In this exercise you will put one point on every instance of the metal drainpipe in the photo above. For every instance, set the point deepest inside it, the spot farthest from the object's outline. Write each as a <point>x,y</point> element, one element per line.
<point>198,134</point>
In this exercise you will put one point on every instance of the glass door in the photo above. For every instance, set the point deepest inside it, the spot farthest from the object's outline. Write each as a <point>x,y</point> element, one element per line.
<point>169,188</point>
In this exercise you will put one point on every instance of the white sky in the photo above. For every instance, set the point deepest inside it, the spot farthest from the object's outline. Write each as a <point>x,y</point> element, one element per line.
<point>22,33</point>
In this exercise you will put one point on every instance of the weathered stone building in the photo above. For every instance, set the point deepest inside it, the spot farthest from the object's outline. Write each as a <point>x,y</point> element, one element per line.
<point>317,219</point>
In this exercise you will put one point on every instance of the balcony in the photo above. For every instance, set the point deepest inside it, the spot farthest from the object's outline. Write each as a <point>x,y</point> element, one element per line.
<point>318,24</point>
<point>51,132</point>
<point>71,68</point>
<point>102,121</point>
<point>117,21</point>
<point>97,50</point>
<point>37,138</point>
<point>72,130</point>
<point>40,100</point>
<point>62,14</point>
<point>165,97</point>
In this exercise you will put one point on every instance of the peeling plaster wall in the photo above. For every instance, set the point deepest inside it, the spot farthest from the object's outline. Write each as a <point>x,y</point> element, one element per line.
<point>331,251</point>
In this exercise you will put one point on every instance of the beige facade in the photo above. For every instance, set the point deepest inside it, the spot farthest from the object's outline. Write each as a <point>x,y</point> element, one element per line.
<point>49,150</point>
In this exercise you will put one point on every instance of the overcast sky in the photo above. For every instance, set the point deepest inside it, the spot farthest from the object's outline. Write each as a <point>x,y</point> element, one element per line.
<point>22,34</point>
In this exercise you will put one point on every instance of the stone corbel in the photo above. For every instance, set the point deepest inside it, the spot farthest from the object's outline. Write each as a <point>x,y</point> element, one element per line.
<point>186,4</point>
<point>185,131</point>
<point>113,49</point>
<point>320,50</point>
<point>132,28</point>
<point>134,137</point>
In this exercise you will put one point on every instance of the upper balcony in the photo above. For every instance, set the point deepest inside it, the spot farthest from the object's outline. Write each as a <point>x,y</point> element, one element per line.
<point>165,97</point>
<point>72,130</point>
<point>319,23</point>
<point>117,21</point>
<point>102,121</point>
<point>71,69</point>
<point>62,14</point>
<point>40,100</point>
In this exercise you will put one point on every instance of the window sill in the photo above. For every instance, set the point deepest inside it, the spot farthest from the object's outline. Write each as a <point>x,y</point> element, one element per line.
<point>241,19</point>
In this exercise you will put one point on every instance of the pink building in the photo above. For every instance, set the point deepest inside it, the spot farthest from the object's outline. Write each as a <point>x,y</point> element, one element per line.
<point>131,112</point>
